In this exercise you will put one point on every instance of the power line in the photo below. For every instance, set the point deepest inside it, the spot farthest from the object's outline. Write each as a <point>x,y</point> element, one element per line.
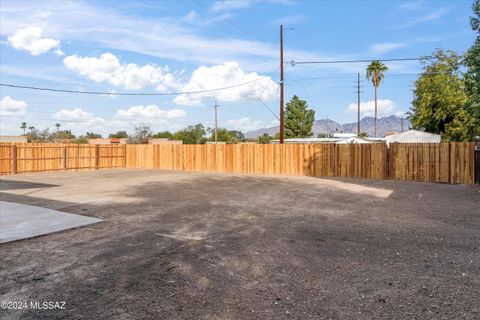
<point>348,75</point>
<point>293,62</point>
<point>273,113</point>
<point>127,94</point>
<point>301,82</point>
<point>93,121</point>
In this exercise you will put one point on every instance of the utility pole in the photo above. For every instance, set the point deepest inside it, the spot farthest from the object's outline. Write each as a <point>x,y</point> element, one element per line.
<point>281,86</point>
<point>216,126</point>
<point>358,102</point>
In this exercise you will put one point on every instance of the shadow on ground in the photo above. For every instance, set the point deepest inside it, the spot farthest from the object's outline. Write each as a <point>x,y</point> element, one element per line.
<point>13,185</point>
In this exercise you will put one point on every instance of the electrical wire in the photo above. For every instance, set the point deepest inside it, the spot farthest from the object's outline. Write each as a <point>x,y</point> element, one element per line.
<point>349,75</point>
<point>301,82</point>
<point>293,62</point>
<point>127,94</point>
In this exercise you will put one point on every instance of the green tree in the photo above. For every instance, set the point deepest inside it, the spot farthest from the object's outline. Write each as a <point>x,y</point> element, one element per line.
<point>64,134</point>
<point>276,136</point>
<point>80,140</point>
<point>363,134</point>
<point>192,134</point>
<point>163,135</point>
<point>91,135</point>
<point>376,72</point>
<point>439,103</point>
<point>298,119</point>
<point>36,135</point>
<point>324,135</point>
<point>264,139</point>
<point>23,127</point>
<point>472,75</point>
<point>118,135</point>
<point>142,131</point>
<point>58,125</point>
<point>227,136</point>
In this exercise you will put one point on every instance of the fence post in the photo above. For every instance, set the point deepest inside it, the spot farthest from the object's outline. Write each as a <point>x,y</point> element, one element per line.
<point>64,158</point>
<point>477,162</point>
<point>125,155</point>
<point>97,156</point>
<point>14,159</point>
<point>450,162</point>
<point>335,160</point>
<point>387,169</point>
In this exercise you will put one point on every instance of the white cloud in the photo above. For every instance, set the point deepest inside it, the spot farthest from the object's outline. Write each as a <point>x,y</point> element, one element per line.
<point>165,37</point>
<point>434,15</point>
<point>77,115</point>
<point>10,107</point>
<point>81,121</point>
<point>412,5</point>
<point>226,75</point>
<point>224,5</point>
<point>231,4</point>
<point>149,113</point>
<point>381,48</point>
<point>384,107</point>
<point>59,52</point>
<point>195,19</point>
<point>290,20</point>
<point>108,68</point>
<point>30,39</point>
<point>245,124</point>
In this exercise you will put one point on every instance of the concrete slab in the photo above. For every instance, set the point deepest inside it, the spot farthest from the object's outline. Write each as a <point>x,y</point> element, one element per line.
<point>20,221</point>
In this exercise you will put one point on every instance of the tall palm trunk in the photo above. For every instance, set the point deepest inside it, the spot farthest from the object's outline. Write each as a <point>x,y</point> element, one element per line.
<point>375,111</point>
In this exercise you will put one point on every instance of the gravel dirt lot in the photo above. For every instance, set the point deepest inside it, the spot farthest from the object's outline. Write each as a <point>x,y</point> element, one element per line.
<point>177,245</point>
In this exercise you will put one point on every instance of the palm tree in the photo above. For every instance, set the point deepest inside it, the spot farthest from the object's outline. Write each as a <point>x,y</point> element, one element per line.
<point>375,72</point>
<point>31,129</point>
<point>58,125</point>
<point>23,127</point>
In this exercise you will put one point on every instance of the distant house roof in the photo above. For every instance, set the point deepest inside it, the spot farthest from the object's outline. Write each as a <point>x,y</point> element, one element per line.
<point>353,140</point>
<point>107,141</point>
<point>308,140</point>
<point>413,136</point>
<point>344,135</point>
<point>324,140</point>
<point>13,139</point>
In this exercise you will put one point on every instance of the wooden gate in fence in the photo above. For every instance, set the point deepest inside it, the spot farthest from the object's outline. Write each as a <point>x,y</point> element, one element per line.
<point>43,157</point>
<point>444,162</point>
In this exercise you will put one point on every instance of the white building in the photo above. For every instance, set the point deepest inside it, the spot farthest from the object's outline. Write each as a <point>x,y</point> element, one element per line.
<point>344,135</point>
<point>343,140</point>
<point>353,140</point>
<point>413,136</point>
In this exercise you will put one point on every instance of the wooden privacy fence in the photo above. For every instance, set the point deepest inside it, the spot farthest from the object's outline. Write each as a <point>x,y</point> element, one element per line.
<point>42,157</point>
<point>444,162</point>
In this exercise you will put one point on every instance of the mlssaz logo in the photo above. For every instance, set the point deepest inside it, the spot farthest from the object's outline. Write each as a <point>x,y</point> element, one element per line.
<point>47,305</point>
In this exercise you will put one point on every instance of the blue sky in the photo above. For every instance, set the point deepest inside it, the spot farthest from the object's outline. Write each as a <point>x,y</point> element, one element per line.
<point>181,46</point>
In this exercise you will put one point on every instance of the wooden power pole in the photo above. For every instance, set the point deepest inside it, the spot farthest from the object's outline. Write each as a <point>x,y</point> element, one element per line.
<point>216,124</point>
<point>358,102</point>
<point>281,86</point>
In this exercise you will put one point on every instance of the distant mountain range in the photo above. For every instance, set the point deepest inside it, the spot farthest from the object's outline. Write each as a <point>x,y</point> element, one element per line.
<point>391,123</point>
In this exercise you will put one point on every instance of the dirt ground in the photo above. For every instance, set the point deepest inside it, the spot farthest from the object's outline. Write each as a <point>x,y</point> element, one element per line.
<point>211,246</point>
